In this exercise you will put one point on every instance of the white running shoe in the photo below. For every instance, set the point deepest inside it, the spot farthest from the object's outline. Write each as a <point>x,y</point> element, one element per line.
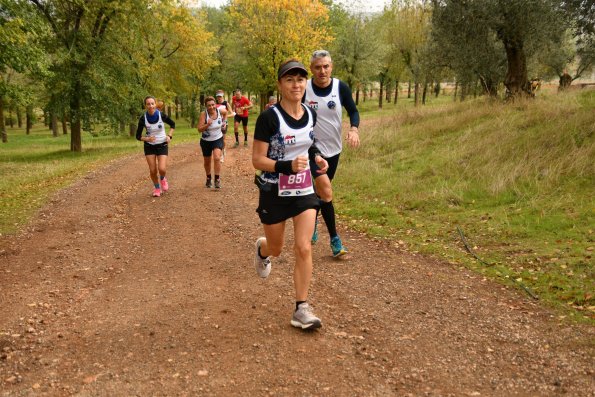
<point>304,318</point>
<point>263,266</point>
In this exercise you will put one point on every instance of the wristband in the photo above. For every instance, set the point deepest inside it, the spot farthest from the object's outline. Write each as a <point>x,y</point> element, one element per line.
<point>170,137</point>
<point>284,167</point>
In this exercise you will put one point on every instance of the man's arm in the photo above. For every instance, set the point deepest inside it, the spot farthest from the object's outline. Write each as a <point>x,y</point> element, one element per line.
<point>349,104</point>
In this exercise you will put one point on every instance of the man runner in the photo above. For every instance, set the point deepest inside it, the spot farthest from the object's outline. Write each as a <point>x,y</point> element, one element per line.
<point>240,105</point>
<point>327,96</point>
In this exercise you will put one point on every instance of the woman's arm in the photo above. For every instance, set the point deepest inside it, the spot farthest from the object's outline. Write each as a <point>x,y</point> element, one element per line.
<point>139,129</point>
<point>260,161</point>
<point>202,122</point>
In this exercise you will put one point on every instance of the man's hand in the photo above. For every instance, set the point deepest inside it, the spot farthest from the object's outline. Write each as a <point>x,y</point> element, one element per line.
<point>353,137</point>
<point>322,164</point>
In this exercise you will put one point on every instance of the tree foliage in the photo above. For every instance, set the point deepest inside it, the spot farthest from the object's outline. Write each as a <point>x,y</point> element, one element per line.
<point>482,32</point>
<point>271,31</point>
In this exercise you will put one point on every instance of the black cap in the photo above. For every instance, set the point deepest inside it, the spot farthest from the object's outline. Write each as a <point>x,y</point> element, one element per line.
<point>291,65</point>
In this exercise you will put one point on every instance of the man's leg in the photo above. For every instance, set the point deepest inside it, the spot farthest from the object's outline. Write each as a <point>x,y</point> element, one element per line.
<point>236,126</point>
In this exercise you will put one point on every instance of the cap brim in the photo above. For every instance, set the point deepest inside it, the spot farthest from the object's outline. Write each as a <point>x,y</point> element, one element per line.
<point>292,66</point>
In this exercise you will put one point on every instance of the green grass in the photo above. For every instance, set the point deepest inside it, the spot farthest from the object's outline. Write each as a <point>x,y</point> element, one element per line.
<point>37,165</point>
<point>518,179</point>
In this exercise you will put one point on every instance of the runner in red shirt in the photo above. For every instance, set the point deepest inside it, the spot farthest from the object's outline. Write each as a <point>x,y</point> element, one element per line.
<point>240,105</point>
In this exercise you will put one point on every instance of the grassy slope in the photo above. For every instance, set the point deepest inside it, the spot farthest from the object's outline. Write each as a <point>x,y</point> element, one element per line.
<point>519,180</point>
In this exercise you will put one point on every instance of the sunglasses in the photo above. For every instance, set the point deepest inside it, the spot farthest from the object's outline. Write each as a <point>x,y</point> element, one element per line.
<point>320,54</point>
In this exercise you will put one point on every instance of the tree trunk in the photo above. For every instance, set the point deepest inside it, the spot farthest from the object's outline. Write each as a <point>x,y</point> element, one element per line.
<point>76,144</point>
<point>29,118</point>
<point>193,115</point>
<point>409,90</point>
<point>396,92</point>
<point>357,96</point>
<point>381,94</point>
<point>416,94</point>
<point>19,117</point>
<point>437,89</point>
<point>133,123</point>
<point>424,93</point>
<point>176,104</point>
<point>2,126</point>
<point>516,75</point>
<point>454,97</point>
<point>565,81</point>
<point>388,90</point>
<point>64,124</point>
<point>54,124</point>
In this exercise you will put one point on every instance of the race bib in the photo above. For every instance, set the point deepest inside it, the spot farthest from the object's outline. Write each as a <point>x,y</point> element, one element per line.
<point>299,184</point>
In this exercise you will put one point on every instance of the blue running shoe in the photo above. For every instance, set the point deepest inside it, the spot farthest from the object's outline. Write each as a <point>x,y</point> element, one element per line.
<point>337,247</point>
<point>315,234</point>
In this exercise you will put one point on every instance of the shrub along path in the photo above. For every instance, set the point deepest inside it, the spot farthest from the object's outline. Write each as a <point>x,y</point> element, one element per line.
<point>112,292</point>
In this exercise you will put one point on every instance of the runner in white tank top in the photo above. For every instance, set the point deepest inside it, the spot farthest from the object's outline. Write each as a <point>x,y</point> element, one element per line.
<point>210,124</point>
<point>283,146</point>
<point>328,96</point>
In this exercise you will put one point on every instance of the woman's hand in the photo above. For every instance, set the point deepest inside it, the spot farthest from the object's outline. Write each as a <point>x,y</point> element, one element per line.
<point>322,164</point>
<point>299,164</point>
<point>149,139</point>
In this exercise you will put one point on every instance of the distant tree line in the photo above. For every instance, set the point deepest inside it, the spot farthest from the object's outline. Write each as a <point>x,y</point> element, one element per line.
<point>91,63</point>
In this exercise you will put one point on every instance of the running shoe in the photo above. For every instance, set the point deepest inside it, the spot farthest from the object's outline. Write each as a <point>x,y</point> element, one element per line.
<point>164,185</point>
<point>245,143</point>
<point>156,192</point>
<point>236,144</point>
<point>304,318</point>
<point>337,247</point>
<point>315,234</point>
<point>209,184</point>
<point>217,183</point>
<point>263,266</point>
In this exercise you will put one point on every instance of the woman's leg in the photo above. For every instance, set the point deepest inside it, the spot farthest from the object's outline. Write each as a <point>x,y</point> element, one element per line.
<point>217,161</point>
<point>162,165</point>
<point>275,235</point>
<point>151,161</point>
<point>207,165</point>
<point>303,227</point>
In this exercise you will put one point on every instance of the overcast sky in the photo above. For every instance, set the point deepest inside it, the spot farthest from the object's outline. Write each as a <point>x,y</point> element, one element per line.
<point>354,5</point>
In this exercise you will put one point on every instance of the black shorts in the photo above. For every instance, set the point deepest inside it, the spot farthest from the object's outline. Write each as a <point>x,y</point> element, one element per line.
<point>158,150</point>
<point>208,146</point>
<point>273,209</point>
<point>333,163</point>
<point>243,120</point>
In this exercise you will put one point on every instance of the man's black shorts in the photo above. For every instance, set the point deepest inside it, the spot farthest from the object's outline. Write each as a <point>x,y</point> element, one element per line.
<point>333,163</point>
<point>240,119</point>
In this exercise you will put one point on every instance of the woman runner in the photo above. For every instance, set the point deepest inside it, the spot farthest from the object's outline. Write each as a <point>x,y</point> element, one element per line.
<point>211,142</point>
<point>156,143</point>
<point>223,104</point>
<point>283,145</point>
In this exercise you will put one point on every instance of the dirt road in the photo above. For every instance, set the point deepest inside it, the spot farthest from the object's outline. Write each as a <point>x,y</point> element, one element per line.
<point>110,292</point>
